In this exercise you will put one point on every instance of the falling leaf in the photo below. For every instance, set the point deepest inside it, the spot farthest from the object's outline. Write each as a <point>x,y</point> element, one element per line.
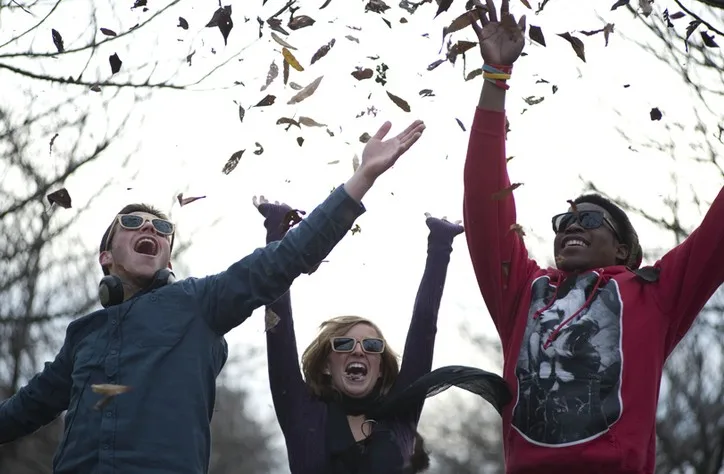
<point>527,5</point>
<point>401,103</point>
<point>57,40</point>
<point>708,40</point>
<point>285,68</point>
<point>288,121</point>
<point>435,64</point>
<point>182,23</point>
<point>289,57</point>
<point>532,100</point>
<point>271,319</point>
<point>306,92</point>
<point>188,58</point>
<point>365,137</point>
<point>461,124</point>
<point>461,47</point>
<point>60,197</point>
<point>619,3</point>
<point>577,45</point>
<point>463,21</point>
<point>324,5</point>
<point>655,114</point>
<point>232,162</point>
<point>271,75</point>
<point>443,6</point>
<point>95,88</point>
<point>333,162</point>
<point>266,101</point>
<point>330,132</point>
<point>183,201</point>
<point>361,74</point>
<point>115,63</point>
<point>677,15</point>
<point>108,391</point>
<point>474,73</point>
<point>300,21</point>
<point>607,30</point>
<point>139,3</point>
<point>300,140</point>
<point>309,122</point>
<point>322,52</point>
<point>693,25</point>
<point>295,86</point>
<point>242,112</point>
<point>52,141</point>
<point>356,229</point>
<point>387,22</point>
<point>518,229</point>
<point>352,38</point>
<point>376,6</point>
<point>108,32</point>
<point>427,93</point>
<point>355,163</point>
<point>509,158</point>
<point>281,41</point>
<point>276,25</point>
<point>403,20</point>
<point>554,88</point>
<point>505,192</point>
<point>536,34</point>
<point>222,20</point>
<point>259,149</point>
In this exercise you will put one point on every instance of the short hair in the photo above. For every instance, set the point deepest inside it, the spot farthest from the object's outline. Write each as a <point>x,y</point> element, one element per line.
<point>315,356</point>
<point>128,209</point>
<point>623,226</point>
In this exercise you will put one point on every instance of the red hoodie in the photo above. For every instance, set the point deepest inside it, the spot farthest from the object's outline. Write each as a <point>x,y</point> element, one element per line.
<point>583,355</point>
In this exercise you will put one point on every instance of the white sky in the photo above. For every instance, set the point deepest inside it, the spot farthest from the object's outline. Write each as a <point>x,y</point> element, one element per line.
<point>187,137</point>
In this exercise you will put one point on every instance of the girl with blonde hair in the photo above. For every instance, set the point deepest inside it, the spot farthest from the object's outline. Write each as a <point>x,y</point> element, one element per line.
<point>355,410</point>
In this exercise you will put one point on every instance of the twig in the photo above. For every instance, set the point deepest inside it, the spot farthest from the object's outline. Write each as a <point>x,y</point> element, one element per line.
<point>23,8</point>
<point>690,13</point>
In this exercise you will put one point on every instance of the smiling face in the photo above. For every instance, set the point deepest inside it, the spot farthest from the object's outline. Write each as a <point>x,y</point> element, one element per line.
<point>136,255</point>
<point>355,373</point>
<point>579,249</point>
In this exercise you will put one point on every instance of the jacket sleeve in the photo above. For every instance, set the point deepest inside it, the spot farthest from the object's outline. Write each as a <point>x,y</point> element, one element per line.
<point>420,342</point>
<point>230,297</point>
<point>691,272</point>
<point>499,256</point>
<point>39,402</point>
<point>289,392</point>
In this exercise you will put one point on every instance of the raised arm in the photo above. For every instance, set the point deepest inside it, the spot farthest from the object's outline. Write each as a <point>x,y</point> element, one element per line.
<point>499,256</point>
<point>691,272</point>
<point>289,392</point>
<point>229,298</point>
<point>420,342</point>
<point>40,401</point>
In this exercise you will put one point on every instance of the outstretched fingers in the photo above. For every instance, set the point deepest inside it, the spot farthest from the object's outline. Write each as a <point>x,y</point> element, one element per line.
<point>383,131</point>
<point>491,10</point>
<point>504,7</point>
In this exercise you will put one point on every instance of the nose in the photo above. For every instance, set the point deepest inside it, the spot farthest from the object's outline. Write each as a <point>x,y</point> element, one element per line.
<point>575,226</point>
<point>358,348</point>
<point>147,226</point>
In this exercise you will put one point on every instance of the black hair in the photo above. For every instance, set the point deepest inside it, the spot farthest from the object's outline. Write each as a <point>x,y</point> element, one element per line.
<point>128,209</point>
<point>623,226</point>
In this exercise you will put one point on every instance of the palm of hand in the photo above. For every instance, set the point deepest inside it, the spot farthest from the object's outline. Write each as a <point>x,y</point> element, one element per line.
<point>501,44</point>
<point>379,155</point>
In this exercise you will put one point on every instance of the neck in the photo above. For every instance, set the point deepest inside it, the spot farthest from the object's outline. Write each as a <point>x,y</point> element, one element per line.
<point>129,289</point>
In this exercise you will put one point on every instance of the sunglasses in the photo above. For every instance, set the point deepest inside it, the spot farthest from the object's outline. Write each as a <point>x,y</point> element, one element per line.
<point>371,345</point>
<point>134,222</point>
<point>586,219</point>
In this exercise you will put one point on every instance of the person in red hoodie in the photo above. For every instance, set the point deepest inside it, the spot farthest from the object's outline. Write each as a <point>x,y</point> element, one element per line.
<point>585,343</point>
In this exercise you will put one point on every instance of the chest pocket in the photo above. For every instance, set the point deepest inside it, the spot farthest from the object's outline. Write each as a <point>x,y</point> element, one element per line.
<point>159,318</point>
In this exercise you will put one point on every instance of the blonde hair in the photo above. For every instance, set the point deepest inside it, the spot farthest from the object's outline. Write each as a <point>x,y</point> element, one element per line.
<point>315,356</point>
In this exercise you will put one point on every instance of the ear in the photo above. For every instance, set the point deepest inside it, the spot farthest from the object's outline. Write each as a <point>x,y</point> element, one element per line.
<point>622,252</point>
<point>105,258</point>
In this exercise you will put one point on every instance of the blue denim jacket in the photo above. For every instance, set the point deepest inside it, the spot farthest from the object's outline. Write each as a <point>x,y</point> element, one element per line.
<point>168,346</point>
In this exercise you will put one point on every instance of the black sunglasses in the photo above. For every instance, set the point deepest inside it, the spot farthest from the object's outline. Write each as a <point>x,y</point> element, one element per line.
<point>371,345</point>
<point>587,219</point>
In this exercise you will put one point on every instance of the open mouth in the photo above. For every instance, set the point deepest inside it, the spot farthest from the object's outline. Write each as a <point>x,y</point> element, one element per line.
<point>356,372</point>
<point>146,246</point>
<point>575,243</point>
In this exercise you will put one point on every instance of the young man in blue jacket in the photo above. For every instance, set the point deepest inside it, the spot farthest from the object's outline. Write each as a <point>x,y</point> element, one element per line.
<point>165,342</point>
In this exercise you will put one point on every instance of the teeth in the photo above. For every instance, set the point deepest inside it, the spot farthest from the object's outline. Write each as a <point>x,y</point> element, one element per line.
<point>577,242</point>
<point>357,367</point>
<point>144,240</point>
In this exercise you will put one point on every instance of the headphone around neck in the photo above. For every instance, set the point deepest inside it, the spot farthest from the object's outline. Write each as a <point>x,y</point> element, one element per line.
<point>110,289</point>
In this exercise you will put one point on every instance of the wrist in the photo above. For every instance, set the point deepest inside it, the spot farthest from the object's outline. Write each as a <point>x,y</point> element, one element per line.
<point>358,185</point>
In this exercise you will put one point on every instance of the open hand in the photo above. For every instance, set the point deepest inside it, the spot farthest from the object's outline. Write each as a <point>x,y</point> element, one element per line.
<point>443,225</point>
<point>501,42</point>
<point>379,156</point>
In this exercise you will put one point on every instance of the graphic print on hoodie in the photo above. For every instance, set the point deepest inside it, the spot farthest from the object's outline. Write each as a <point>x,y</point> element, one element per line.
<point>569,365</point>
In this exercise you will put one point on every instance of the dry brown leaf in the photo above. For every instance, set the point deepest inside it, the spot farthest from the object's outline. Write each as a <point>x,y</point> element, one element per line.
<point>577,45</point>
<point>461,124</point>
<point>271,319</point>
<point>463,21</point>
<point>232,162</point>
<point>300,141</point>
<point>183,201</point>
<point>527,5</point>
<point>335,162</point>
<point>352,38</point>
<point>518,229</point>
<point>289,57</point>
<point>536,34</point>
<point>60,197</point>
<point>401,103</point>
<point>266,101</point>
<point>306,92</point>
<point>286,71</point>
<point>461,47</point>
<point>271,75</point>
<point>365,137</point>
<point>288,121</point>
<point>322,52</point>
<point>281,41</point>
<point>300,21</point>
<point>474,73</point>
<point>109,389</point>
<point>356,229</point>
<point>361,74</point>
<point>503,193</point>
<point>310,122</point>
